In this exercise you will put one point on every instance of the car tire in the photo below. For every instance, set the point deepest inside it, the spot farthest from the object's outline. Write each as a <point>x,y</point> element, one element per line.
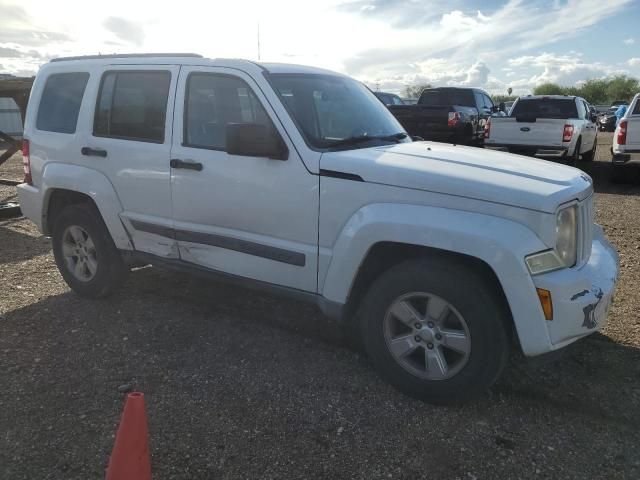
<point>573,159</point>
<point>589,156</point>
<point>430,369</point>
<point>85,253</point>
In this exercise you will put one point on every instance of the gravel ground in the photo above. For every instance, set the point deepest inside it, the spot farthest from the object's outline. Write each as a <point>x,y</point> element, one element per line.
<point>242,385</point>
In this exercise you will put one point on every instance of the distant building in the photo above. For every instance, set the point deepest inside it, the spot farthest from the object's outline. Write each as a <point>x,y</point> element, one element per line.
<point>10,118</point>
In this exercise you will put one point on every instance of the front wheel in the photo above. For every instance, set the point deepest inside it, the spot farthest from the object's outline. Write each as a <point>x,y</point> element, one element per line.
<point>435,330</point>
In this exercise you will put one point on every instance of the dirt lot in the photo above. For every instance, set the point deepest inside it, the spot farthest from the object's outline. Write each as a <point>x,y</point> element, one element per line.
<point>241,385</point>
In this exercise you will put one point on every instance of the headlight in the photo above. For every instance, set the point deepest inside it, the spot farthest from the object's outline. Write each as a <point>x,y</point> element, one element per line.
<point>564,255</point>
<point>566,232</point>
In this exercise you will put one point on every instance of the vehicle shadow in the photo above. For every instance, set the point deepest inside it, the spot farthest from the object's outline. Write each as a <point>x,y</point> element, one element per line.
<point>16,246</point>
<point>603,182</point>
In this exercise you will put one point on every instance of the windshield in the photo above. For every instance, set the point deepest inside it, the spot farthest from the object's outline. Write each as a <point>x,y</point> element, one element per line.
<point>546,108</point>
<point>330,109</point>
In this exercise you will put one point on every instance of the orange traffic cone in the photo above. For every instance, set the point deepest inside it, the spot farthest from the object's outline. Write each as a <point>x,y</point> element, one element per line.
<point>130,456</point>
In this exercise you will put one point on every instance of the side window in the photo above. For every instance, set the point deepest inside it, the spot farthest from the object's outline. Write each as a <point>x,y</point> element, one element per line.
<point>582,110</point>
<point>60,102</point>
<point>488,103</point>
<point>636,109</point>
<point>397,100</point>
<point>132,105</point>
<point>211,103</point>
<point>479,100</point>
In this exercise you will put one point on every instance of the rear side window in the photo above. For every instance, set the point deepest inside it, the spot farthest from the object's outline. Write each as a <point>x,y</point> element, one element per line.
<point>133,105</point>
<point>636,109</point>
<point>60,102</point>
<point>214,101</point>
<point>546,108</point>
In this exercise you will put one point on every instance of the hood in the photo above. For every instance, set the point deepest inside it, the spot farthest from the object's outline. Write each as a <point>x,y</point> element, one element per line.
<point>465,171</point>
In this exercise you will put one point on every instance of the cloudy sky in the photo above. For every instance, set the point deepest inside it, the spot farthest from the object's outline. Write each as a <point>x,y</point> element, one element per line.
<point>388,44</point>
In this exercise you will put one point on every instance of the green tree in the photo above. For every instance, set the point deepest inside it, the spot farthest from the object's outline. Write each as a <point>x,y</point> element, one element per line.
<point>414,91</point>
<point>503,98</point>
<point>549,89</point>
<point>622,87</point>
<point>595,91</point>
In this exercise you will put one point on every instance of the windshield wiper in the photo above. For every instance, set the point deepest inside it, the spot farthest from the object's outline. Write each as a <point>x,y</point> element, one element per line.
<point>396,137</point>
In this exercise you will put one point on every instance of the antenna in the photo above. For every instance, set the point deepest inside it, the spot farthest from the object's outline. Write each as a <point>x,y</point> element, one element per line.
<point>258,41</point>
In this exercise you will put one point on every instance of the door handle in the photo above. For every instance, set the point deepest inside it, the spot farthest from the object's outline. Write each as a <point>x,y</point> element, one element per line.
<point>187,164</point>
<point>93,152</point>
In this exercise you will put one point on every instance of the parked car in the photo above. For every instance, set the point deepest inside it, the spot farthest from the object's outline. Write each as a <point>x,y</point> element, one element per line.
<point>389,98</point>
<point>299,181</point>
<point>448,114</point>
<point>555,127</point>
<point>626,138</point>
<point>617,103</point>
<point>607,120</point>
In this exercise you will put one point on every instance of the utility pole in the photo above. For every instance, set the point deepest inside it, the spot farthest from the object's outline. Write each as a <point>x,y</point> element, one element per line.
<point>258,41</point>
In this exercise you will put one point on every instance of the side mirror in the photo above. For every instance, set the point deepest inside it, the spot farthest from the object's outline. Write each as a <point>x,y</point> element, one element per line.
<point>255,140</point>
<point>594,117</point>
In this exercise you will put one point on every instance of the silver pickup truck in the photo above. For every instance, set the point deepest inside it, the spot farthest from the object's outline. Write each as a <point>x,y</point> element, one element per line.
<point>555,127</point>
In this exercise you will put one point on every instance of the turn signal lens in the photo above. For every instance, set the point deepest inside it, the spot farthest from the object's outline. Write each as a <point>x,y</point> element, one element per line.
<point>545,302</point>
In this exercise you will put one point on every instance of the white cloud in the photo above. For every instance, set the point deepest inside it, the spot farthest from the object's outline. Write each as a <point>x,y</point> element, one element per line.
<point>634,62</point>
<point>391,42</point>
<point>629,41</point>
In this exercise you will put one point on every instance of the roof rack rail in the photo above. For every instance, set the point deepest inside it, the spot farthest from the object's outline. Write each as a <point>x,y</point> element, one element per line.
<point>126,55</point>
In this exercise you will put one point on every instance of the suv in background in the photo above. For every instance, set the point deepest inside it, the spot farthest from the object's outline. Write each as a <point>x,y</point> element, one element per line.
<point>298,180</point>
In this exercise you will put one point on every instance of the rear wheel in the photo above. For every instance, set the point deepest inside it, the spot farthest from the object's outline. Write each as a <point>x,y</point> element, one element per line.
<point>573,159</point>
<point>591,154</point>
<point>85,253</point>
<point>435,330</point>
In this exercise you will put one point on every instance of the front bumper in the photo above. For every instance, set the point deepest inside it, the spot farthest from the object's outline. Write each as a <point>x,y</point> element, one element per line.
<point>530,150</point>
<point>581,296</point>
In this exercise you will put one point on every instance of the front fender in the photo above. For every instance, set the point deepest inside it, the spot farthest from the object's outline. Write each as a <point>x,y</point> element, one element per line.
<point>502,244</point>
<point>92,183</point>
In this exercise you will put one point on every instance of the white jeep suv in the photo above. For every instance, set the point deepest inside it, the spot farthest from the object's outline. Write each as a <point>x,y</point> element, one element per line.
<point>299,180</point>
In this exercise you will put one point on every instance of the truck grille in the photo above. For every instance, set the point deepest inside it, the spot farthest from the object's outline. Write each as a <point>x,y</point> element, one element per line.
<point>585,230</point>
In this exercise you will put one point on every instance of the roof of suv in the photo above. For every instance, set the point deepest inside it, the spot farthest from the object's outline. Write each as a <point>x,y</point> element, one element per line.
<point>189,59</point>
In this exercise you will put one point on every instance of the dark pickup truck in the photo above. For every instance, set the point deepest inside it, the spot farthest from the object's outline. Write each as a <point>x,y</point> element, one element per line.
<point>448,114</point>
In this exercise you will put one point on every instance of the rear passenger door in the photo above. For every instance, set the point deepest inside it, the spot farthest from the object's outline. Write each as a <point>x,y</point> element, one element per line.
<point>248,216</point>
<point>130,142</point>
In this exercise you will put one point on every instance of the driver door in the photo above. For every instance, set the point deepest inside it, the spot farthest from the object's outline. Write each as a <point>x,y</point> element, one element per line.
<point>253,217</point>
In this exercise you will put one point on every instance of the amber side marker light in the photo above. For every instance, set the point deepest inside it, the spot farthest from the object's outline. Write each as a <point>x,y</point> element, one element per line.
<point>545,301</point>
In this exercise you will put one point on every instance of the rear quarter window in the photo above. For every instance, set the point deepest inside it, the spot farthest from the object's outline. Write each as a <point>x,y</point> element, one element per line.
<point>636,109</point>
<point>60,102</point>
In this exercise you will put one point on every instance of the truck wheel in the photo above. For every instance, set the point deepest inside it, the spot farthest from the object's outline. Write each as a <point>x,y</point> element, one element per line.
<point>85,253</point>
<point>591,154</point>
<point>435,330</point>
<point>573,159</point>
